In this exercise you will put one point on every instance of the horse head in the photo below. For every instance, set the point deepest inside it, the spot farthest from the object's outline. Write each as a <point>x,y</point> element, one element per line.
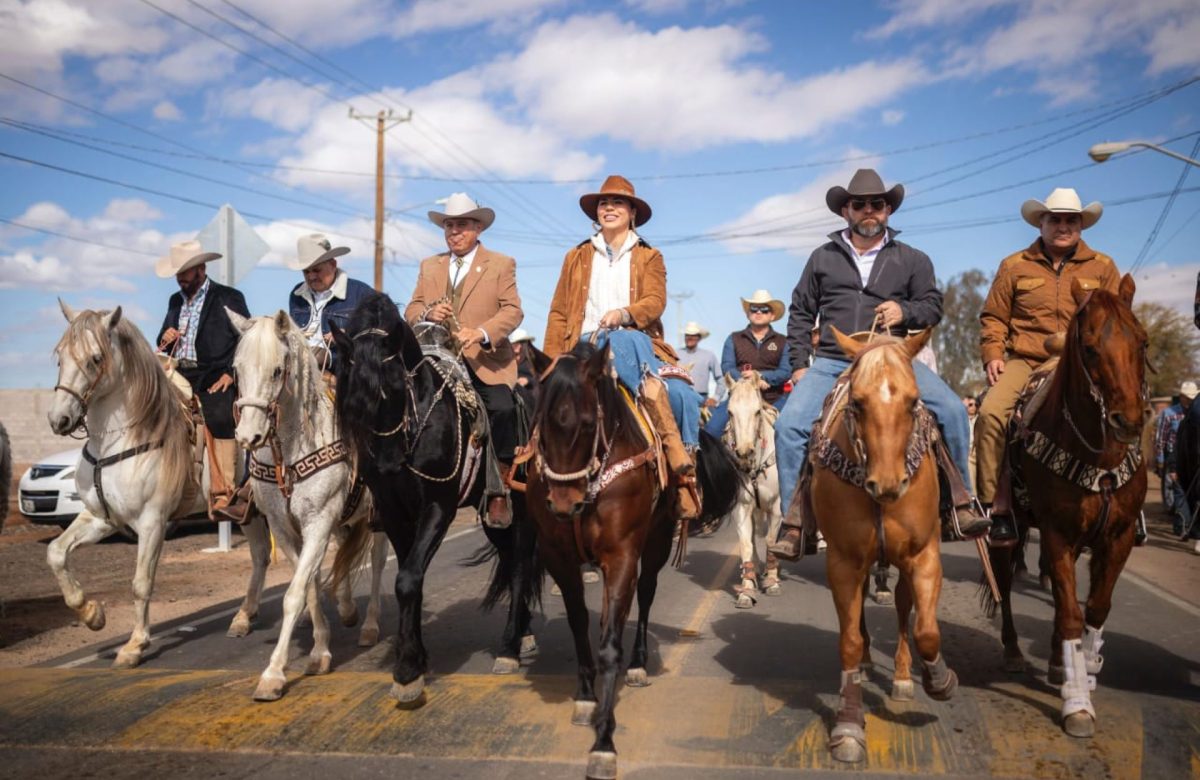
<point>746,410</point>
<point>266,363</point>
<point>881,407</point>
<point>569,425</point>
<point>1106,350</point>
<point>88,365</point>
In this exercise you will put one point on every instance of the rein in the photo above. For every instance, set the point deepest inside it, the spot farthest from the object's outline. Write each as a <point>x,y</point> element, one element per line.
<point>98,466</point>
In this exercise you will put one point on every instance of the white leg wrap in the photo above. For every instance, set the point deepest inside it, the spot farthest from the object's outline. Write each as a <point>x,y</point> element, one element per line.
<point>1077,684</point>
<point>1091,648</point>
<point>854,676</point>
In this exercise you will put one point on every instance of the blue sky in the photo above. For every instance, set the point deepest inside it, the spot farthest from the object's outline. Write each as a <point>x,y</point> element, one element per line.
<point>731,118</point>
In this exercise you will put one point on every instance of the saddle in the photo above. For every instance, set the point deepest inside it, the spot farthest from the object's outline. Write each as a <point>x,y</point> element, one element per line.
<point>201,444</point>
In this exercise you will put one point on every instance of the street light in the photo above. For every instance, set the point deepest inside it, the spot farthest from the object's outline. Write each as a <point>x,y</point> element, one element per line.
<point>1101,152</point>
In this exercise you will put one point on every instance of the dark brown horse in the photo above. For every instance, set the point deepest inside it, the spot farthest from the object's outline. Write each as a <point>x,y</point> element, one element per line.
<point>1078,460</point>
<point>595,492</point>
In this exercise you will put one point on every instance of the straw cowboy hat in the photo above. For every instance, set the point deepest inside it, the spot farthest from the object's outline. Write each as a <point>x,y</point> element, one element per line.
<point>1063,200</point>
<point>461,206</point>
<point>1188,390</point>
<point>313,249</point>
<point>864,184</point>
<point>183,256</point>
<point>764,297</point>
<point>518,335</point>
<point>694,329</point>
<point>616,186</point>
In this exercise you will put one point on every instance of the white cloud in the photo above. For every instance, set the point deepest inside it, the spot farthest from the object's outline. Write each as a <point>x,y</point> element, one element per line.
<point>891,117</point>
<point>1173,45</point>
<point>167,111</point>
<point>920,14</point>
<point>284,103</point>
<point>1170,285</point>
<point>425,16</point>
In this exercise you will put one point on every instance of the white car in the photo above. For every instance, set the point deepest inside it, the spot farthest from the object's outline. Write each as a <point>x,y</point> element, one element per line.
<point>47,490</point>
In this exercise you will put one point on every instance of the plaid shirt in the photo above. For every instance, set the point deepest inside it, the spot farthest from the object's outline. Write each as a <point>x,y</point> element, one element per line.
<point>1168,429</point>
<point>189,323</point>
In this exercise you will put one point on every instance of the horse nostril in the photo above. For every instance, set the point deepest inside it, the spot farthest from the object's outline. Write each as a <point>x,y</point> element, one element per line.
<point>576,508</point>
<point>871,486</point>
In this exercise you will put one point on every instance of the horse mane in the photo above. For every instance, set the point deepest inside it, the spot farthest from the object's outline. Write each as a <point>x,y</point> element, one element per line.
<point>873,361</point>
<point>303,372</point>
<point>155,408</point>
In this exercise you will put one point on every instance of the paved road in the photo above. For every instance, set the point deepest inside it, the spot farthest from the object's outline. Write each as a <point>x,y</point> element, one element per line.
<point>735,693</point>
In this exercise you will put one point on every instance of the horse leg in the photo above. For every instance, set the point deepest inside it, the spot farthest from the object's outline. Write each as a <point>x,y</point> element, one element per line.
<point>563,565</point>
<point>1078,715</point>
<point>770,584</point>
<point>151,530</point>
<point>523,584</point>
<point>847,583</point>
<point>1005,571</point>
<point>1108,560</point>
<point>883,594</point>
<point>369,635</point>
<point>260,558</point>
<point>505,540</point>
<point>902,683</point>
<point>743,515</point>
<point>925,580</point>
<point>654,557</point>
<point>620,578</point>
<point>346,608</point>
<point>866,662</point>
<point>84,529</point>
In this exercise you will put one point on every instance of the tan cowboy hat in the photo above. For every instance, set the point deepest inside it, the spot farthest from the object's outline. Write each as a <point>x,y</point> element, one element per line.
<point>183,256</point>
<point>461,206</point>
<point>764,297</point>
<point>864,184</point>
<point>312,249</point>
<point>620,187</point>
<point>1063,200</point>
<point>694,329</point>
<point>518,335</point>
<point>1188,390</point>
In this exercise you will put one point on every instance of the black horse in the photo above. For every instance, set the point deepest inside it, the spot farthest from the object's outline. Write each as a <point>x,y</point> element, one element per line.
<point>409,432</point>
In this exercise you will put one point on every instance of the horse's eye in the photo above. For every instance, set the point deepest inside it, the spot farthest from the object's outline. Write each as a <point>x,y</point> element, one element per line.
<point>97,359</point>
<point>278,372</point>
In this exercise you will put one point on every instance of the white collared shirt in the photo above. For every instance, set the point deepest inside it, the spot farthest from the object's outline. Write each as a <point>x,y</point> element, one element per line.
<point>608,287</point>
<point>455,272</point>
<point>865,260</point>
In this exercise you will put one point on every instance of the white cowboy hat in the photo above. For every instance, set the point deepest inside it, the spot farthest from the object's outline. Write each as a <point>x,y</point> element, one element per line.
<point>312,249</point>
<point>762,296</point>
<point>1188,389</point>
<point>1063,200</point>
<point>520,334</point>
<point>460,205</point>
<point>694,329</point>
<point>183,256</point>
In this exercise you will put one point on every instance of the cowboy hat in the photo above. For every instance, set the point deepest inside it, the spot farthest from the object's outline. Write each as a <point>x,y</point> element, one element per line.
<point>461,206</point>
<point>183,256</point>
<point>313,249</point>
<point>616,186</point>
<point>518,335</point>
<point>865,183</point>
<point>1063,200</point>
<point>764,297</point>
<point>1188,390</point>
<point>694,329</point>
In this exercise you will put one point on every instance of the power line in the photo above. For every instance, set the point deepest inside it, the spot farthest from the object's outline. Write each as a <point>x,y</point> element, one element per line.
<point>1166,209</point>
<point>81,240</point>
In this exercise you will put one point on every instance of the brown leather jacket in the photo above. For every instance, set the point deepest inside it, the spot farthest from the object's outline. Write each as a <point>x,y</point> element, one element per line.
<point>1029,300</point>
<point>647,296</point>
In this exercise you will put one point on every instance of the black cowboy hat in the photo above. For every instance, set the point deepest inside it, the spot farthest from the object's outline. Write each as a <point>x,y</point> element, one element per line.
<point>866,182</point>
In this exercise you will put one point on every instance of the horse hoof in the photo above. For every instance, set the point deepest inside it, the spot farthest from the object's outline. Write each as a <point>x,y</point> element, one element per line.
<point>92,615</point>
<point>368,637</point>
<point>1055,675</point>
<point>127,659</point>
<point>602,765</point>
<point>1014,664</point>
<point>848,743</point>
<point>903,690</point>
<point>884,598</point>
<point>407,693</point>
<point>269,689</point>
<point>319,665</point>
<point>946,691</point>
<point>1044,581</point>
<point>240,626</point>
<point>504,665</point>
<point>744,601</point>
<point>1079,724</point>
<point>636,678</point>
<point>582,714</point>
<point>529,646</point>
<point>350,620</point>
<point>773,590</point>
<point>591,577</point>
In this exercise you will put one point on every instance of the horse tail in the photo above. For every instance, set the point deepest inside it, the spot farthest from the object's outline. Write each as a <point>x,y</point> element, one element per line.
<point>719,478</point>
<point>1004,566</point>
<point>510,550</point>
<point>351,554</point>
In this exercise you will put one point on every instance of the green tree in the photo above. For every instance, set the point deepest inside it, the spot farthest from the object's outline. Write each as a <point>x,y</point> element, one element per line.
<point>1174,346</point>
<point>956,339</point>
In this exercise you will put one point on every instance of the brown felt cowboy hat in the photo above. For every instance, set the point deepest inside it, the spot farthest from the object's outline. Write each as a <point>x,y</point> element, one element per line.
<point>619,187</point>
<point>1063,200</point>
<point>864,184</point>
<point>183,256</point>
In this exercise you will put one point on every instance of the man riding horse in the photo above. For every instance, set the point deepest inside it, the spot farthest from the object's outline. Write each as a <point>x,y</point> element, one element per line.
<point>757,347</point>
<point>1030,300</point>
<point>326,295</point>
<point>862,279</point>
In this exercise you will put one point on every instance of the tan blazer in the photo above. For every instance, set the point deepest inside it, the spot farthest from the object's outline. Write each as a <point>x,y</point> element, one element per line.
<point>489,301</point>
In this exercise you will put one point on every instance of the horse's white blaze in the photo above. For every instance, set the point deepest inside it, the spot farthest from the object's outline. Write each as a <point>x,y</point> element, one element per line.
<point>885,390</point>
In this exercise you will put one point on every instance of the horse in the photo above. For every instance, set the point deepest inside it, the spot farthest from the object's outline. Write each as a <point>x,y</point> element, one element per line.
<point>303,482</point>
<point>597,494</point>
<point>875,498</point>
<point>751,435</point>
<point>1078,459</point>
<point>407,418</point>
<point>5,473</point>
<point>136,469</point>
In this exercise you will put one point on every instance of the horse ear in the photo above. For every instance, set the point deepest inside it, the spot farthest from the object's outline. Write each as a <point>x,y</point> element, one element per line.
<point>1077,292</point>
<point>596,365</point>
<point>242,324</point>
<point>729,380</point>
<point>340,339</point>
<point>1127,289</point>
<point>848,345</point>
<point>916,342</point>
<point>283,323</point>
<point>67,311</point>
<point>538,359</point>
<point>395,338</point>
<point>113,318</point>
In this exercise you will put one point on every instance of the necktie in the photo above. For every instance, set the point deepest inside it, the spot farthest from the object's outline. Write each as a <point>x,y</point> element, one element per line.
<point>458,264</point>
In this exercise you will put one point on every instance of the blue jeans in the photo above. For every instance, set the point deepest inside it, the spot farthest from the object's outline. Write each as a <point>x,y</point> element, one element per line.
<point>804,407</point>
<point>1181,515</point>
<point>632,358</point>
<point>719,417</point>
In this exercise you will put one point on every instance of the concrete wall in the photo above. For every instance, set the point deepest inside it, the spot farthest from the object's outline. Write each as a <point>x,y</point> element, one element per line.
<point>23,413</point>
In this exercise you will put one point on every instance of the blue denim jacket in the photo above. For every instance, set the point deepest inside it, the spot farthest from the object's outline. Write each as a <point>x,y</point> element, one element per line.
<point>347,294</point>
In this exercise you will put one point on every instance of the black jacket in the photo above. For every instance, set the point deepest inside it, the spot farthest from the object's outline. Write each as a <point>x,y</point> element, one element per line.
<point>831,287</point>
<point>217,339</point>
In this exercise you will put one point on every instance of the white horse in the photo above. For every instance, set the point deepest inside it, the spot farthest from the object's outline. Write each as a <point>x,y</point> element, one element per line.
<point>750,433</point>
<point>302,479</point>
<point>137,466</point>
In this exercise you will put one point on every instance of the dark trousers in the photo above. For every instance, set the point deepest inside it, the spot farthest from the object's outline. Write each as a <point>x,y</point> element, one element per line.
<point>502,417</point>
<point>218,407</point>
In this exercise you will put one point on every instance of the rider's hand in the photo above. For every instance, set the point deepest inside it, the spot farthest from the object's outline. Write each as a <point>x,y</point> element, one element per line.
<point>469,336</point>
<point>612,319</point>
<point>798,374</point>
<point>994,369</point>
<point>747,372</point>
<point>522,381</point>
<point>891,313</point>
<point>439,312</point>
<point>169,336</point>
<point>222,384</point>
<point>763,385</point>
<point>710,402</point>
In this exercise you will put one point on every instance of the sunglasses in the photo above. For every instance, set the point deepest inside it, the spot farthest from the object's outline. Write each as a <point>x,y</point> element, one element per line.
<point>876,204</point>
<point>759,309</point>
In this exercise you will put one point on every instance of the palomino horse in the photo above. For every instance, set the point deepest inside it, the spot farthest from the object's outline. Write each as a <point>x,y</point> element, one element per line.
<point>875,497</point>
<point>137,461</point>
<point>751,435</point>
<point>597,497</point>
<point>302,480</point>
<point>1078,459</point>
<point>408,420</point>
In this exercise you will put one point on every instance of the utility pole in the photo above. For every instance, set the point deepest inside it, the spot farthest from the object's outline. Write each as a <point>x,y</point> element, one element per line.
<point>384,121</point>
<point>679,297</point>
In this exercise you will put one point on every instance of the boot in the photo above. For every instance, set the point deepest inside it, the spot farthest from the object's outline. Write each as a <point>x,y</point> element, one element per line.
<point>497,509</point>
<point>791,543</point>
<point>968,520</point>
<point>238,509</point>
<point>222,474</point>
<point>658,407</point>
<point>1003,532</point>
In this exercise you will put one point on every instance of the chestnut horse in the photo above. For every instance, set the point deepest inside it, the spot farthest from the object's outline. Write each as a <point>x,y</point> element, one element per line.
<point>1078,459</point>
<point>595,493</point>
<point>875,498</point>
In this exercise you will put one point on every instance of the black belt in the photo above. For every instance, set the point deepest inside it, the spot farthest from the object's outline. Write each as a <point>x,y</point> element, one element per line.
<point>186,364</point>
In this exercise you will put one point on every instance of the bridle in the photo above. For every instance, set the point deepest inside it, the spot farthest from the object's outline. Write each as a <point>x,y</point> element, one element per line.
<point>85,397</point>
<point>595,462</point>
<point>273,413</point>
